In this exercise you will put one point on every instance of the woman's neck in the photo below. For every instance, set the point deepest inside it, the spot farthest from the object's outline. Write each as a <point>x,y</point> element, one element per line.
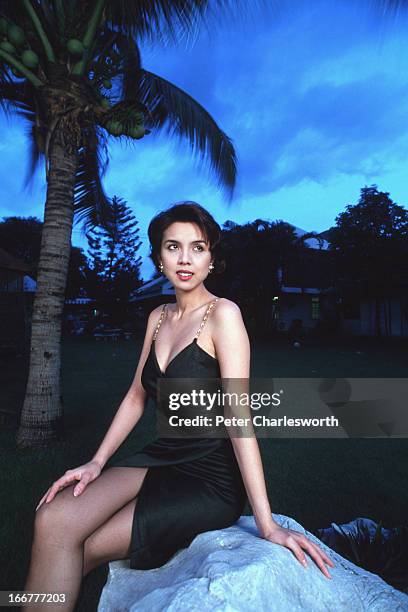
<point>188,302</point>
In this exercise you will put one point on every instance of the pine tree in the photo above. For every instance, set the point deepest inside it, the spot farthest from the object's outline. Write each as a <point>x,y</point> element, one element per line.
<point>113,254</point>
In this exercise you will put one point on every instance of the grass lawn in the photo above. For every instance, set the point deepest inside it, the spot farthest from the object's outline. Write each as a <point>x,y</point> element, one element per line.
<point>315,481</point>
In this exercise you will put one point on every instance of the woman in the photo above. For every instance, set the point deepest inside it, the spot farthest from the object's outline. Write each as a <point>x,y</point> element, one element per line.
<point>154,503</point>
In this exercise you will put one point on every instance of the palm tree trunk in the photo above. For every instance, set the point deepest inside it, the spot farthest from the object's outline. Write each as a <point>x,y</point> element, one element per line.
<point>42,414</point>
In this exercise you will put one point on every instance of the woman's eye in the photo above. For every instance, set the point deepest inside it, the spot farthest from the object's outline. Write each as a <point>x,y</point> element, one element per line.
<point>197,246</point>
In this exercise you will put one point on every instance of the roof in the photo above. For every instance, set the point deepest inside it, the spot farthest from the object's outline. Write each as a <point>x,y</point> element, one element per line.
<point>313,243</point>
<point>79,300</point>
<point>154,288</point>
<point>10,262</point>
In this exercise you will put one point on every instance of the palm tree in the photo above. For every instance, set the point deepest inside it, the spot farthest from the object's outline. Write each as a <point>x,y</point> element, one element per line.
<point>73,71</point>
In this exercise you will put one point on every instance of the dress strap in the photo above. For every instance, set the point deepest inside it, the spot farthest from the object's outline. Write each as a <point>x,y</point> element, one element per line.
<point>207,313</point>
<point>159,321</point>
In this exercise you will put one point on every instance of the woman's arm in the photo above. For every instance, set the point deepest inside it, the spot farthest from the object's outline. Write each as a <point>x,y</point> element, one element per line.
<point>233,352</point>
<point>126,417</point>
<point>132,406</point>
<point>231,343</point>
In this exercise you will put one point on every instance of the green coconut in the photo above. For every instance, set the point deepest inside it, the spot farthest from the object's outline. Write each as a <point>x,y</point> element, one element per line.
<point>16,35</point>
<point>5,45</point>
<point>75,47</point>
<point>3,25</point>
<point>136,132</point>
<point>105,103</point>
<point>30,59</point>
<point>114,127</point>
<point>107,84</point>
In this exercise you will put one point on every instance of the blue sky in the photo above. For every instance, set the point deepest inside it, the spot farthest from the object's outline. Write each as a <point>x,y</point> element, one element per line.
<point>313,94</point>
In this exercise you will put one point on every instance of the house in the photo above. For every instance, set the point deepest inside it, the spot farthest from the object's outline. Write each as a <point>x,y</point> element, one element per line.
<point>152,293</point>
<point>386,316</point>
<point>17,289</point>
<point>15,274</point>
<point>305,296</point>
<point>302,290</point>
<point>308,293</point>
<point>308,297</point>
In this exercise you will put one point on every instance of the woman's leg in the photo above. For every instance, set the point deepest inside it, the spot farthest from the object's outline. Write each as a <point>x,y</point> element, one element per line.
<point>111,541</point>
<point>62,527</point>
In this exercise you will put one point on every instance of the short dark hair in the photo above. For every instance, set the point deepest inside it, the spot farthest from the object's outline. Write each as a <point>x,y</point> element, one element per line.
<point>186,212</point>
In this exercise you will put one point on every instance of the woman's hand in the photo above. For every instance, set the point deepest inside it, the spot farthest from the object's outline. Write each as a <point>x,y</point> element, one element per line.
<point>295,541</point>
<point>84,473</point>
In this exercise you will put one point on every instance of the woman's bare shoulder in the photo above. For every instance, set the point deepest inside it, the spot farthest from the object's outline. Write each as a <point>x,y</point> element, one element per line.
<point>154,316</point>
<point>156,311</point>
<point>227,314</point>
<point>226,307</point>
<point>229,331</point>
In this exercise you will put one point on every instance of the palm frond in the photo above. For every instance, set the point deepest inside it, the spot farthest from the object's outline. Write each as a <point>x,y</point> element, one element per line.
<point>14,97</point>
<point>156,18</point>
<point>91,204</point>
<point>172,108</point>
<point>36,152</point>
<point>132,64</point>
<point>171,20</point>
<point>19,99</point>
<point>152,19</point>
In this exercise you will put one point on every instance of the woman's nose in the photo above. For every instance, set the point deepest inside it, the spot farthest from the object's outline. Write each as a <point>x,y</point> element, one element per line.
<point>183,257</point>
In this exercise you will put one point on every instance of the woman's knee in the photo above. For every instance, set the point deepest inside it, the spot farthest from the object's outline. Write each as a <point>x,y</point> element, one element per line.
<point>58,516</point>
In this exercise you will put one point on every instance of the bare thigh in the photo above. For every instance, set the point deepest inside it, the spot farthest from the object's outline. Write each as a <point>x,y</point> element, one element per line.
<point>78,517</point>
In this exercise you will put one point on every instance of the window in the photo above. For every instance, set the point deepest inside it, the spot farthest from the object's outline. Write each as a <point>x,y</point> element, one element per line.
<point>315,307</point>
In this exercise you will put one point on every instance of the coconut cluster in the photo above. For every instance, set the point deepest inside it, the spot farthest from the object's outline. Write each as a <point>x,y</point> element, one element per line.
<point>136,129</point>
<point>13,42</point>
<point>115,124</point>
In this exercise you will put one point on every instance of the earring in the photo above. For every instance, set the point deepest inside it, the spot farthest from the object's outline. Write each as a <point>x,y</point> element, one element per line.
<point>210,268</point>
<point>161,268</point>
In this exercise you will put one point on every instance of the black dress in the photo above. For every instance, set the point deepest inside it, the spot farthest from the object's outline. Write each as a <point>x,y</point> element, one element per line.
<point>192,485</point>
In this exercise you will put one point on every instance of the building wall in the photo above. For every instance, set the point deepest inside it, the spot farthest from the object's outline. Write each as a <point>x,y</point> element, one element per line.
<point>11,280</point>
<point>352,326</point>
<point>296,306</point>
<point>393,317</point>
<point>15,319</point>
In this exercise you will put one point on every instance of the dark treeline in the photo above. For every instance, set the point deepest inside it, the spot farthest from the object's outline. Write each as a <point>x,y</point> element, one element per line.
<point>367,257</point>
<point>111,269</point>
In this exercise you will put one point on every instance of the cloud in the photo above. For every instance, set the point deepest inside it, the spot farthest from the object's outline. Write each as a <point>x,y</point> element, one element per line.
<point>313,95</point>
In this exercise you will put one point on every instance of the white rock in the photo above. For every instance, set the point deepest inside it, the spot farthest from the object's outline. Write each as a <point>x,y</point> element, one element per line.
<point>234,570</point>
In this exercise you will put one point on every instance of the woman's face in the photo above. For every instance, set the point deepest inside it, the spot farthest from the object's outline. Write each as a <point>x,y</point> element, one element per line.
<point>185,255</point>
